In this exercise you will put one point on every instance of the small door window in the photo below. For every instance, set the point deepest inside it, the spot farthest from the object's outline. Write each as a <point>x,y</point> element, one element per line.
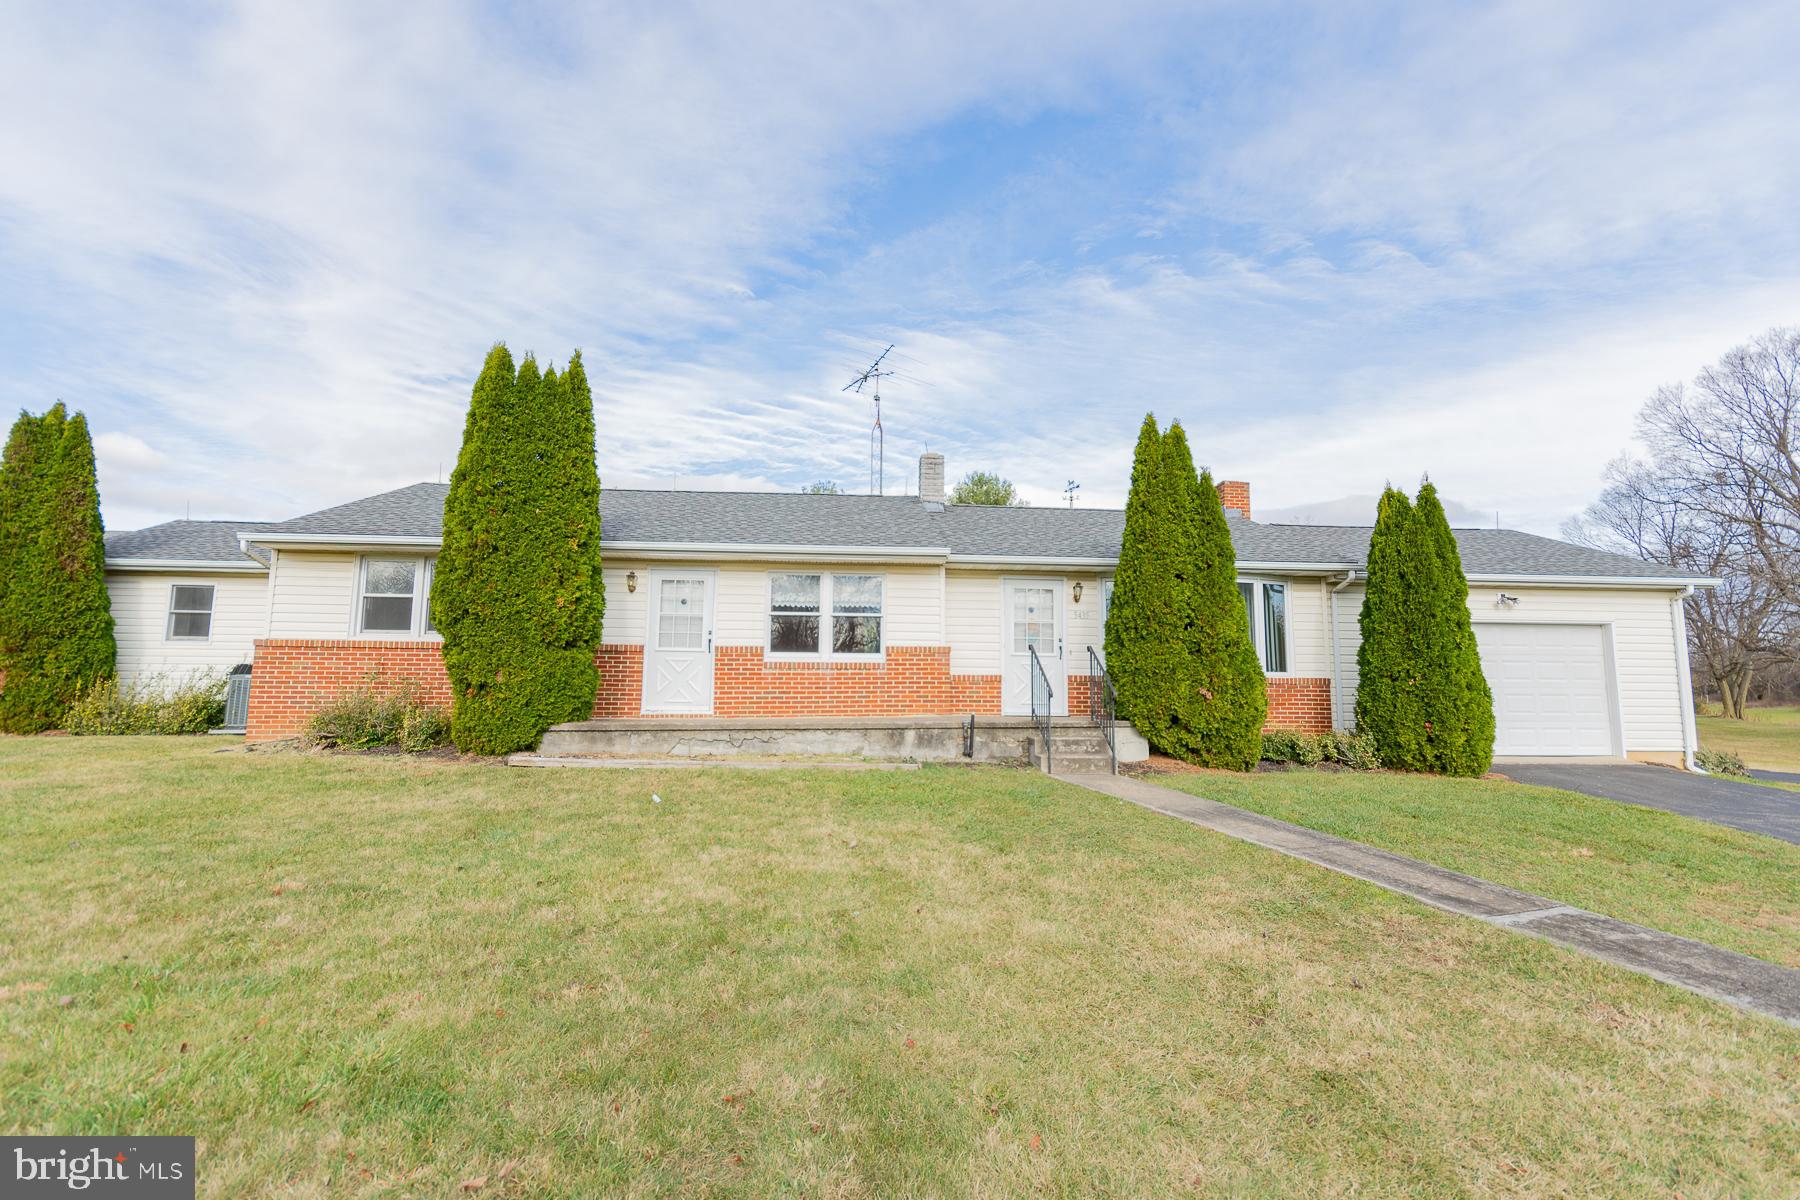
<point>1033,620</point>
<point>680,614</point>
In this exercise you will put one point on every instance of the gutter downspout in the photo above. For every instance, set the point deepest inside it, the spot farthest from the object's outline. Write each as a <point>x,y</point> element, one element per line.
<point>1337,676</point>
<point>1690,737</point>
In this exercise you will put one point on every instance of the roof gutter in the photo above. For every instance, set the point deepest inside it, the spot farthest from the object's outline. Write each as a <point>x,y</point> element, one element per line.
<point>190,565</point>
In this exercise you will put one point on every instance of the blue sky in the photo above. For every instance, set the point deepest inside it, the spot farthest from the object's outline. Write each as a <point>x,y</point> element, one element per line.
<point>266,247</point>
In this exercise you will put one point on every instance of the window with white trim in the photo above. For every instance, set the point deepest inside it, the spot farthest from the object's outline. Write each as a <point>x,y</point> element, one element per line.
<point>393,597</point>
<point>1265,604</point>
<point>190,612</point>
<point>835,615</point>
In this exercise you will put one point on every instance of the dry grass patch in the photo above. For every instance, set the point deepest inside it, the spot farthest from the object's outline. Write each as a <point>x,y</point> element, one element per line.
<point>375,977</point>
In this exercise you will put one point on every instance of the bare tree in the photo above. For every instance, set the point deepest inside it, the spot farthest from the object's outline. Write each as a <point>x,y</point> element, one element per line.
<point>1720,496</point>
<point>1731,444</point>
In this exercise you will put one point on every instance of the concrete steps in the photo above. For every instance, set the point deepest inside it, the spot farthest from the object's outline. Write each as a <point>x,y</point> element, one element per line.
<point>1074,750</point>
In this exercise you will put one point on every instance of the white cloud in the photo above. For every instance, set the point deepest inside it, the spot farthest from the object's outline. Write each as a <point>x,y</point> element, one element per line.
<point>272,246</point>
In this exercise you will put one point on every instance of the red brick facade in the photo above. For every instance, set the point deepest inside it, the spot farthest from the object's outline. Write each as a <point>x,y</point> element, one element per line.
<point>912,681</point>
<point>1299,704</point>
<point>293,677</point>
<point>621,681</point>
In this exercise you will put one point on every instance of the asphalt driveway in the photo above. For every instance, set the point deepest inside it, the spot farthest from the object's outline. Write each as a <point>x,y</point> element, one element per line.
<point>1752,807</point>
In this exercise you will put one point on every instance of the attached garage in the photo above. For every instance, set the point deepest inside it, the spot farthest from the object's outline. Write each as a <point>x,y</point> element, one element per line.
<point>1554,691</point>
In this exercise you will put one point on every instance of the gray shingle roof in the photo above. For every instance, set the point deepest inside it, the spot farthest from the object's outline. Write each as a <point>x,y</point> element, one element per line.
<point>184,541</point>
<point>787,519</point>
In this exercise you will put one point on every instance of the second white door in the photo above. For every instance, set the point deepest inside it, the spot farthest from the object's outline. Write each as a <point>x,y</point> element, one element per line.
<point>1031,618</point>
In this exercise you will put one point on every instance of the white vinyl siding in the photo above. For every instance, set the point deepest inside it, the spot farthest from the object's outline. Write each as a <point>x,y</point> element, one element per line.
<point>1643,644</point>
<point>626,610</point>
<point>313,594</point>
<point>1085,619</point>
<point>972,621</point>
<point>140,610</point>
<point>1309,646</point>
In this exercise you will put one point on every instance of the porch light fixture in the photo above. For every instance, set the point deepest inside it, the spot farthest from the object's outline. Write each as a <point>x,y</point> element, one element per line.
<point>631,581</point>
<point>1506,601</point>
<point>1078,591</point>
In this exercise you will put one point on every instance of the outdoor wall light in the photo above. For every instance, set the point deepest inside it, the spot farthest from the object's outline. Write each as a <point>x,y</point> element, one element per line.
<point>631,581</point>
<point>1078,591</point>
<point>1506,601</point>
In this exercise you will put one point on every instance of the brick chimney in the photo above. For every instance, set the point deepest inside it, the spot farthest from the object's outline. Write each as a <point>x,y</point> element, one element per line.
<point>1235,493</point>
<point>931,478</point>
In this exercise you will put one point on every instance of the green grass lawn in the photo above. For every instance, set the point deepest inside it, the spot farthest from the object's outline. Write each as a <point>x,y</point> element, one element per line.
<point>378,977</point>
<point>1738,890</point>
<point>1767,737</point>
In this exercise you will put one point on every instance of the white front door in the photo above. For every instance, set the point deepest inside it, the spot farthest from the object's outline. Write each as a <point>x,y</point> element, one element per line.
<point>678,661</point>
<point>1031,618</point>
<point>1552,690</point>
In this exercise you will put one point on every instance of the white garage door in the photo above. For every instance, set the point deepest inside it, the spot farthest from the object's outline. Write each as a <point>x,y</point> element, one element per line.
<point>1550,688</point>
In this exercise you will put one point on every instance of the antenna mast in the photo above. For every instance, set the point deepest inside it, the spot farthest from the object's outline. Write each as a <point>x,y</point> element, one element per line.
<point>877,443</point>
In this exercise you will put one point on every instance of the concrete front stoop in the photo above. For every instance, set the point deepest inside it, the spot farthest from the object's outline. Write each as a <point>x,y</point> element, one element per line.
<point>1737,979</point>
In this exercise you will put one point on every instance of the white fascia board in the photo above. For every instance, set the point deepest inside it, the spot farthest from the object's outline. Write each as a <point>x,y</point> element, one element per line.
<point>1658,583</point>
<point>188,566</point>
<point>1026,561</point>
<point>773,551</point>
<point>340,541</point>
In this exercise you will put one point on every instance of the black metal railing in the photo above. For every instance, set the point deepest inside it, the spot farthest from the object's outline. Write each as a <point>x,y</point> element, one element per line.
<point>1103,704</point>
<point>1041,696</point>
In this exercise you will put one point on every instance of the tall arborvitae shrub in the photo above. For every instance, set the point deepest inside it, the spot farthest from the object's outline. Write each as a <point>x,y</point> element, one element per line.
<point>1389,706</point>
<point>1223,699</point>
<point>1144,624</point>
<point>1421,694</point>
<point>56,628</point>
<point>515,590</point>
<point>1458,703</point>
<point>580,594</point>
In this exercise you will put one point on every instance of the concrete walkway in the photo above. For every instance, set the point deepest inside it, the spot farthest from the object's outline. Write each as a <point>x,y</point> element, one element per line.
<point>1752,807</point>
<point>1725,975</point>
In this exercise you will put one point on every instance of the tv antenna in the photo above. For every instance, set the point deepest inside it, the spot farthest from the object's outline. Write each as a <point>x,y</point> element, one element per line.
<point>872,378</point>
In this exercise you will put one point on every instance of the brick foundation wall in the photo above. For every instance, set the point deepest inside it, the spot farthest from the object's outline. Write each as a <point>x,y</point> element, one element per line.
<point>1299,704</point>
<point>912,681</point>
<point>621,681</point>
<point>293,677</point>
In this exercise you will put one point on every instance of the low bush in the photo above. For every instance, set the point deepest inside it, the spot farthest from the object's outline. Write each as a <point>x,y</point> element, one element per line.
<point>152,704</point>
<point>375,716</point>
<point>1353,750</point>
<point>1721,762</point>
